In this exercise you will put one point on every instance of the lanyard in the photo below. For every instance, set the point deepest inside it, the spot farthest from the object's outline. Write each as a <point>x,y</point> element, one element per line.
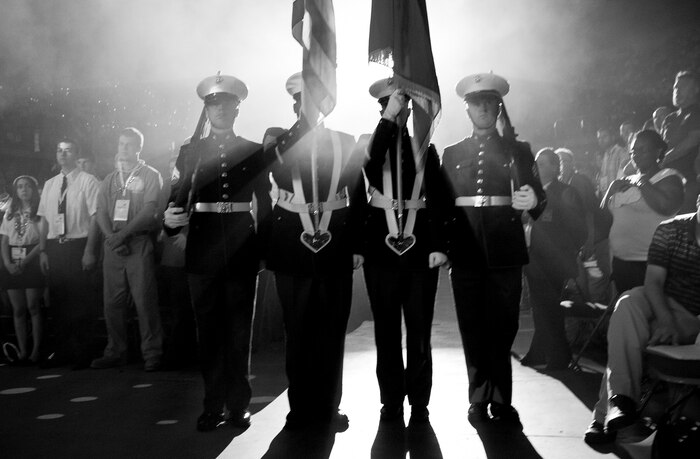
<point>129,179</point>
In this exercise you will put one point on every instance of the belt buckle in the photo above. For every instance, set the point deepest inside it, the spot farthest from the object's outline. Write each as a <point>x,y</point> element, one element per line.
<point>62,239</point>
<point>224,207</point>
<point>481,201</point>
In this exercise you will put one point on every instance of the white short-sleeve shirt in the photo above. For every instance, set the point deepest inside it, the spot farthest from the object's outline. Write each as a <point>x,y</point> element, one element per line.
<point>81,203</point>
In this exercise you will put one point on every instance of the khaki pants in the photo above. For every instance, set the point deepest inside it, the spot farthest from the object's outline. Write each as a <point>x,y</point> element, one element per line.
<point>135,274</point>
<point>631,326</point>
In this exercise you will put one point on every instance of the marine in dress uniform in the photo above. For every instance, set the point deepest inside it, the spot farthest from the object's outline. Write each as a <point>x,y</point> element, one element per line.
<point>312,250</point>
<point>493,179</point>
<point>400,262</point>
<point>227,180</point>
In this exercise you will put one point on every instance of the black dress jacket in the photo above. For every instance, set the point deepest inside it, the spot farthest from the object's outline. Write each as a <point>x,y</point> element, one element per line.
<point>491,236</point>
<point>429,229</point>
<point>558,234</point>
<point>285,252</point>
<point>226,169</point>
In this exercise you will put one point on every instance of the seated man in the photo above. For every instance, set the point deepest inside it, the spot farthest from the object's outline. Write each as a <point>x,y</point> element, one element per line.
<point>663,311</point>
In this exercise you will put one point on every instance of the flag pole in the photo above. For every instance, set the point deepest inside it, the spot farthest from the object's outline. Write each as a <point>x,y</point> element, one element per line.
<point>399,180</point>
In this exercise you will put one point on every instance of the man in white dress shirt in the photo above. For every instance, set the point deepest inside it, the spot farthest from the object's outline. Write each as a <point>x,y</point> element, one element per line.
<point>68,254</point>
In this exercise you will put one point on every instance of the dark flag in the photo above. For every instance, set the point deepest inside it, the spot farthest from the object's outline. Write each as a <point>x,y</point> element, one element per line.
<point>399,37</point>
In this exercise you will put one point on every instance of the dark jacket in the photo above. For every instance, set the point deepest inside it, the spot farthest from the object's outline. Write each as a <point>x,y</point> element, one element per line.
<point>227,170</point>
<point>559,233</point>
<point>429,229</point>
<point>490,237</point>
<point>285,252</point>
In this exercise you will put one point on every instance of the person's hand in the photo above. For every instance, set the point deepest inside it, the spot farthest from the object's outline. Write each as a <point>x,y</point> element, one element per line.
<point>89,260</point>
<point>44,263</point>
<point>175,217</point>
<point>122,250</point>
<point>357,261</point>
<point>618,186</point>
<point>14,269</point>
<point>665,333</point>
<point>180,241</point>
<point>436,259</point>
<point>115,240</point>
<point>397,102</point>
<point>524,198</point>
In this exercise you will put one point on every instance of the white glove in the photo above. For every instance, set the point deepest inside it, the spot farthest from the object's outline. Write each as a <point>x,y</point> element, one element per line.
<point>524,198</point>
<point>175,217</point>
<point>397,103</point>
<point>436,259</point>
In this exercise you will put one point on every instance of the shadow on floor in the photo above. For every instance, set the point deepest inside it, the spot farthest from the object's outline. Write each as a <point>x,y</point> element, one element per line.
<point>394,440</point>
<point>303,444</point>
<point>505,441</point>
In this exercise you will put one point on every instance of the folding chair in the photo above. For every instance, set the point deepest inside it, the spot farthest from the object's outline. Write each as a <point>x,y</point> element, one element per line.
<point>577,305</point>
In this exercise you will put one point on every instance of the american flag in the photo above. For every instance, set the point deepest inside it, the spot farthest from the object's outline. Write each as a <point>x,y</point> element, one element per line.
<point>313,26</point>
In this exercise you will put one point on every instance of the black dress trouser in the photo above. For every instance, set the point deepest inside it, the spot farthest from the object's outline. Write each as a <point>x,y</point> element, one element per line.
<point>72,299</point>
<point>223,308</point>
<point>316,312</point>
<point>393,290</point>
<point>488,308</point>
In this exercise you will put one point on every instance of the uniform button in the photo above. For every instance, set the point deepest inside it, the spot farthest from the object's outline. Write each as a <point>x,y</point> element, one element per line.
<point>223,155</point>
<point>457,166</point>
<point>221,146</point>
<point>482,153</point>
<point>480,181</point>
<point>224,196</point>
<point>224,164</point>
<point>480,172</point>
<point>225,185</point>
<point>481,162</point>
<point>224,174</point>
<point>481,145</point>
<point>243,168</point>
<point>480,191</point>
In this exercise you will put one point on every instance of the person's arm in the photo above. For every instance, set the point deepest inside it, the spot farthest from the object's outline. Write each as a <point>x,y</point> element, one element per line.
<point>687,146</point>
<point>89,258</point>
<point>666,331</point>
<point>6,259</point>
<point>43,257</point>
<point>91,190</point>
<point>615,187</point>
<point>665,196</point>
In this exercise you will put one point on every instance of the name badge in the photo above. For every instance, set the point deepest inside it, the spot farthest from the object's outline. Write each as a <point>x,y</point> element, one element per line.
<point>59,224</point>
<point>121,210</point>
<point>18,253</point>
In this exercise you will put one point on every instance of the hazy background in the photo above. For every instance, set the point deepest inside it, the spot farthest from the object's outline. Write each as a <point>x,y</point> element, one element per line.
<point>565,59</point>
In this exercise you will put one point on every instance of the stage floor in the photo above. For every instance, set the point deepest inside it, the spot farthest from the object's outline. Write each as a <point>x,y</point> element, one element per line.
<point>126,412</point>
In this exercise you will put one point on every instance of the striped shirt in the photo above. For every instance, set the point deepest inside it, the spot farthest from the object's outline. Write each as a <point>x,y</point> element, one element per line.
<point>674,248</point>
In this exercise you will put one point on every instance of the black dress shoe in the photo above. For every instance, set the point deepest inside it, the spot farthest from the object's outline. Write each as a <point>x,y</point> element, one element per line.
<point>622,412</point>
<point>209,421</point>
<point>504,413</point>
<point>419,413</point>
<point>597,435</point>
<point>390,413</point>
<point>240,419</point>
<point>478,412</point>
